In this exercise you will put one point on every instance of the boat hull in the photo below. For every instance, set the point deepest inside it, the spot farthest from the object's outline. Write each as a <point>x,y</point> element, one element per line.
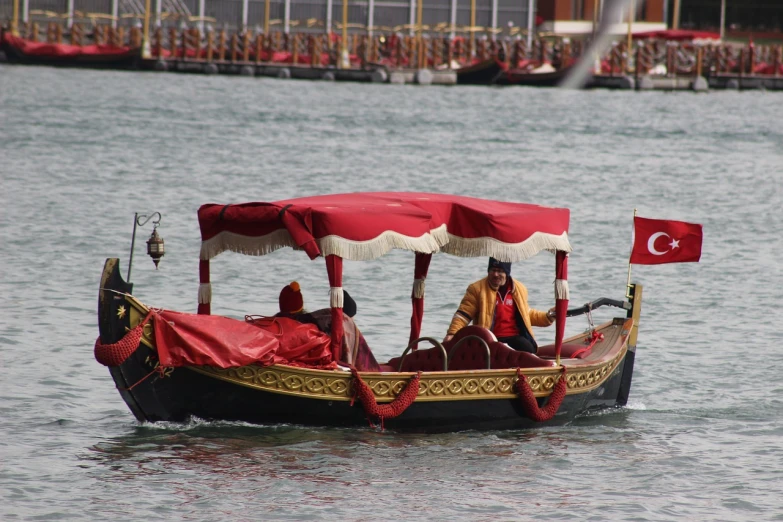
<point>180,394</point>
<point>483,73</point>
<point>446,401</point>
<point>15,54</point>
<point>520,77</point>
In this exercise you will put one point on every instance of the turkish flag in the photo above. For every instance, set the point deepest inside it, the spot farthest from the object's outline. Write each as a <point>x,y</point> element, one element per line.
<point>658,241</point>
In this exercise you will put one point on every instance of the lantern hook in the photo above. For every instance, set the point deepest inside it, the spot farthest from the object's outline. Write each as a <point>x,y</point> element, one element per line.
<point>141,220</point>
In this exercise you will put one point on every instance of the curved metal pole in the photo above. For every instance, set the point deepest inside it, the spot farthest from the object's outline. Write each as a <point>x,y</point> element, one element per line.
<point>433,341</point>
<point>137,220</point>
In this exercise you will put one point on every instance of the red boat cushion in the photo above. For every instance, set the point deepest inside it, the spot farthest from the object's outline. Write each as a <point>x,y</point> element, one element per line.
<point>429,360</point>
<point>470,355</point>
<point>505,357</point>
<point>567,351</point>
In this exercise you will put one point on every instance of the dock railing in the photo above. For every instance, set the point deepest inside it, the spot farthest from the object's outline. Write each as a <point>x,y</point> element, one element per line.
<point>433,47</point>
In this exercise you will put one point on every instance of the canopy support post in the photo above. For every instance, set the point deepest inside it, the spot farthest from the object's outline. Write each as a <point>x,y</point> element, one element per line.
<point>417,295</point>
<point>204,289</point>
<point>334,268</point>
<point>561,300</point>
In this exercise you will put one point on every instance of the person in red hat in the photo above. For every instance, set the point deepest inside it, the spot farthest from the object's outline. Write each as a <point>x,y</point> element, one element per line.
<point>290,300</point>
<point>358,353</point>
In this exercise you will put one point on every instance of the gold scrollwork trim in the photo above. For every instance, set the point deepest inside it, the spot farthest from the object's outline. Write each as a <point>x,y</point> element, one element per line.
<point>441,386</point>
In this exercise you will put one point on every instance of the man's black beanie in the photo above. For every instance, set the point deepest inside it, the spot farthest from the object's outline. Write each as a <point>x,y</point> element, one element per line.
<point>494,263</point>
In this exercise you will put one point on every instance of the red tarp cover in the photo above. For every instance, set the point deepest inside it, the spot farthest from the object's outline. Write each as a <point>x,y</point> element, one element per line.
<point>49,50</point>
<point>300,344</point>
<point>678,35</point>
<point>185,339</point>
<point>365,226</point>
<point>188,339</point>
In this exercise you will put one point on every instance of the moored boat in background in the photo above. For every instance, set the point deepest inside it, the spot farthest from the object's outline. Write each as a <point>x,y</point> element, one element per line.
<point>26,52</point>
<point>481,73</point>
<point>548,77</point>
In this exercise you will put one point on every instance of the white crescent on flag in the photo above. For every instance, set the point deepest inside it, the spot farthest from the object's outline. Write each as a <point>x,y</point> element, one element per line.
<point>651,243</point>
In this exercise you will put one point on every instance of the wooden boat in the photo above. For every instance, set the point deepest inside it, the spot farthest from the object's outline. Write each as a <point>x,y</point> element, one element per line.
<point>25,52</point>
<point>170,366</point>
<point>532,78</point>
<point>481,73</point>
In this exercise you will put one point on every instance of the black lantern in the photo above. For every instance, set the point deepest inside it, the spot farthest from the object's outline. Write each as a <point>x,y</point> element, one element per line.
<point>155,247</point>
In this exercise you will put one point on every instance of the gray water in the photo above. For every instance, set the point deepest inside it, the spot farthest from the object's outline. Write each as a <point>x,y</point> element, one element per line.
<point>81,151</point>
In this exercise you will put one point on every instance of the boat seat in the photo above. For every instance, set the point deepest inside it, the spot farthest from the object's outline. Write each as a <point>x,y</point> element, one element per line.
<point>428,360</point>
<point>567,351</point>
<point>470,355</point>
<point>473,356</point>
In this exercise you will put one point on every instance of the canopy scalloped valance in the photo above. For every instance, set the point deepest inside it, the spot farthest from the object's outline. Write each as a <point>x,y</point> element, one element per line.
<point>363,226</point>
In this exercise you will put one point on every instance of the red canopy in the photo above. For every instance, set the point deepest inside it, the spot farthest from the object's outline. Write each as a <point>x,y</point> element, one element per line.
<point>678,35</point>
<point>364,226</point>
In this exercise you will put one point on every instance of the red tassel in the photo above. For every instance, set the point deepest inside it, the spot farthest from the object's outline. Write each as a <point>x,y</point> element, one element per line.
<point>529,403</point>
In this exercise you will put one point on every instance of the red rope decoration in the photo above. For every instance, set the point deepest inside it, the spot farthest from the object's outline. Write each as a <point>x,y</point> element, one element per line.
<point>595,336</point>
<point>116,353</point>
<point>529,403</point>
<point>373,410</point>
<point>590,341</point>
<point>160,370</point>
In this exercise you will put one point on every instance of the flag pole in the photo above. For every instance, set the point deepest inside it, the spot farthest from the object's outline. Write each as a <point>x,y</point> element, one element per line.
<point>628,283</point>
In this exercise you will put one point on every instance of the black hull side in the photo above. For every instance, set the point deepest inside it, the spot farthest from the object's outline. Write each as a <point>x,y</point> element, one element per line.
<point>184,393</point>
<point>512,77</point>
<point>483,73</point>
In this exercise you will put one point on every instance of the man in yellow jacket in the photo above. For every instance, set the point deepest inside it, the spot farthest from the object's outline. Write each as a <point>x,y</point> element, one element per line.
<point>499,302</point>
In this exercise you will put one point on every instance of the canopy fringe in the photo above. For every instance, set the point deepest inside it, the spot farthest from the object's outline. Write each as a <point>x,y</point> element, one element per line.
<point>205,293</point>
<point>561,289</point>
<point>253,246</point>
<point>336,297</point>
<point>418,288</point>
<point>487,246</point>
<point>440,234</point>
<point>376,247</point>
<point>437,239</point>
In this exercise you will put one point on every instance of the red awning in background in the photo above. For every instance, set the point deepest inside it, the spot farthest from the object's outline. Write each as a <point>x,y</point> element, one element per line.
<point>677,35</point>
<point>53,50</point>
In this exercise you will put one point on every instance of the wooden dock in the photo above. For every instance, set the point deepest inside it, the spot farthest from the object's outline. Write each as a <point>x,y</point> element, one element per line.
<point>422,59</point>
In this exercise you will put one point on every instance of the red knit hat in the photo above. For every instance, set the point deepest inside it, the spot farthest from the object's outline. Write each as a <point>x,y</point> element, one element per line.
<point>291,301</point>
